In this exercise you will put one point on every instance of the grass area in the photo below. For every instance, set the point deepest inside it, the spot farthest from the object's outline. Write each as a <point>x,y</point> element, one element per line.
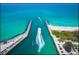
<point>57,33</point>
<point>66,35</point>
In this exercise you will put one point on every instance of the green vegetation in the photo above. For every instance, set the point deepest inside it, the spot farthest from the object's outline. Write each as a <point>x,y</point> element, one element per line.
<point>57,33</point>
<point>76,34</point>
<point>68,46</point>
<point>66,35</point>
<point>76,47</point>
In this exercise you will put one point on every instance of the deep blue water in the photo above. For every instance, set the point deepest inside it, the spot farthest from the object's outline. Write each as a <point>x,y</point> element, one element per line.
<point>15,18</point>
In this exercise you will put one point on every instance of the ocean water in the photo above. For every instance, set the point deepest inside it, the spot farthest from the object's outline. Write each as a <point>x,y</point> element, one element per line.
<point>15,18</point>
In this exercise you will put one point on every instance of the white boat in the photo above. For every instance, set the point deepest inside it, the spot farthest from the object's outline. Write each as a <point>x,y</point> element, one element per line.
<point>39,40</point>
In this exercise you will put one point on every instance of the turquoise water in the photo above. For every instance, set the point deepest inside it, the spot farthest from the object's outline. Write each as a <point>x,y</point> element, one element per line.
<point>28,46</point>
<point>15,18</point>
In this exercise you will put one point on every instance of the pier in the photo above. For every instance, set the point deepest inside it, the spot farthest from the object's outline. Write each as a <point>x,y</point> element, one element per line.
<point>54,39</point>
<point>6,46</point>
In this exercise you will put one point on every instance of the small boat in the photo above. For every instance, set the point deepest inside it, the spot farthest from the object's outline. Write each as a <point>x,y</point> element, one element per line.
<point>39,40</point>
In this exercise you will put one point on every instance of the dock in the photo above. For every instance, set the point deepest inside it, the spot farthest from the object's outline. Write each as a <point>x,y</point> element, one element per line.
<point>8,45</point>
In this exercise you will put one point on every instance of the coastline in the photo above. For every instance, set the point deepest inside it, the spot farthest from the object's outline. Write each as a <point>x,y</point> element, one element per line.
<point>63,28</point>
<point>11,43</point>
<point>55,39</point>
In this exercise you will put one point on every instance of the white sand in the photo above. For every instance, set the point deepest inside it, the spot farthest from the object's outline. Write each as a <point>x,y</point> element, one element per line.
<point>57,43</point>
<point>63,28</point>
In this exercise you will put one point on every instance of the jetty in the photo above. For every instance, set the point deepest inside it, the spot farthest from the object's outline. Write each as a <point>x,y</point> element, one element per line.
<point>6,46</point>
<point>59,45</point>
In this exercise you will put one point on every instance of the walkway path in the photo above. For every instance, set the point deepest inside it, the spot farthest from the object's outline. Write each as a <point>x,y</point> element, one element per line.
<point>59,45</point>
<point>6,46</point>
<point>29,47</point>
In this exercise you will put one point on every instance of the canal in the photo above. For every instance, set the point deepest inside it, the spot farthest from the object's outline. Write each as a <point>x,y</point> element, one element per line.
<point>29,47</point>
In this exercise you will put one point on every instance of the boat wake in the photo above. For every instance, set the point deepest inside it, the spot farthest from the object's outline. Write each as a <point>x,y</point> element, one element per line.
<point>39,40</point>
<point>39,18</point>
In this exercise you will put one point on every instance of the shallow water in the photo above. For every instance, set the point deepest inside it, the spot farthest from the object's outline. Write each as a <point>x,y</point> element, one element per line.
<point>15,18</point>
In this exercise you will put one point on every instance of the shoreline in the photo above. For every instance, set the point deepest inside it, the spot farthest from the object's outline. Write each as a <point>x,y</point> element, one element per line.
<point>59,45</point>
<point>63,28</point>
<point>10,44</point>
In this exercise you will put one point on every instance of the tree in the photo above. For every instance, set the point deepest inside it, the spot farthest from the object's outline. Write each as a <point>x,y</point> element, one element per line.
<point>54,32</point>
<point>68,46</point>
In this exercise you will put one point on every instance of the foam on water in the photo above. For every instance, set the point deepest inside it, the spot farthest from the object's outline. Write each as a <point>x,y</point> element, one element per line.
<point>39,40</point>
<point>13,22</point>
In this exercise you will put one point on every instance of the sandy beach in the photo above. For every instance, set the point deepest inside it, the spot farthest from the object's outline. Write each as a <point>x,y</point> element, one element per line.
<point>57,43</point>
<point>63,28</point>
<point>60,44</point>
